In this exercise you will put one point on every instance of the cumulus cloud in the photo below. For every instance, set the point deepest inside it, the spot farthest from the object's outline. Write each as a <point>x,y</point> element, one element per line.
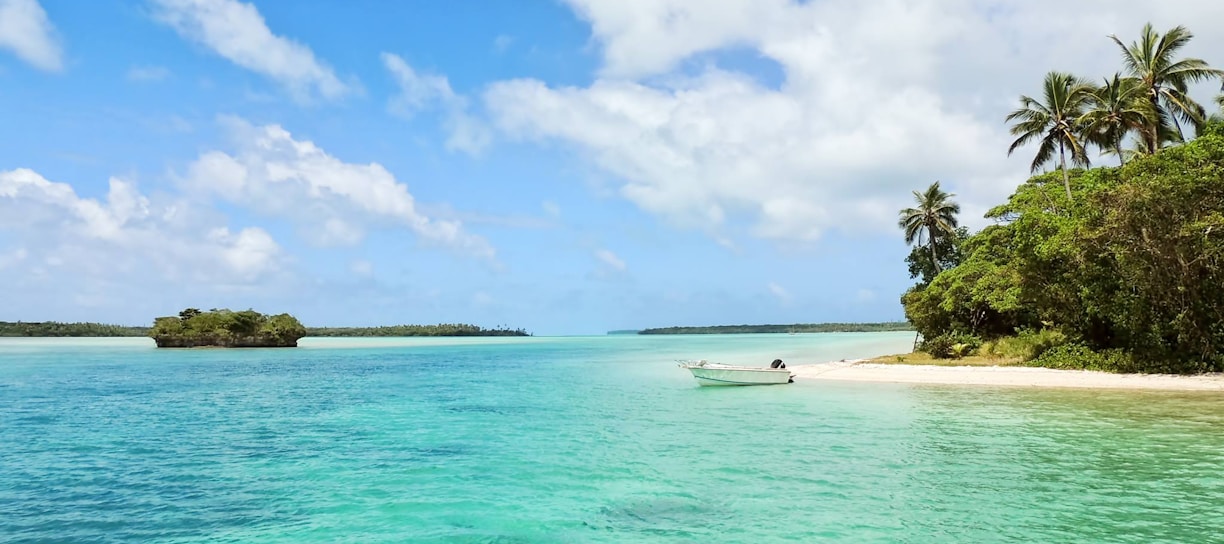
<point>237,31</point>
<point>876,99</point>
<point>27,32</point>
<point>420,92</point>
<point>126,233</point>
<point>332,201</point>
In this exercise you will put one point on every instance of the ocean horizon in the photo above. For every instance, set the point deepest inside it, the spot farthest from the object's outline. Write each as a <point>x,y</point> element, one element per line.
<point>577,439</point>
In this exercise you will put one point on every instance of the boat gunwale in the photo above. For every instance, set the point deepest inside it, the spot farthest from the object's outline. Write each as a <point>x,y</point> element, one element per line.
<point>736,368</point>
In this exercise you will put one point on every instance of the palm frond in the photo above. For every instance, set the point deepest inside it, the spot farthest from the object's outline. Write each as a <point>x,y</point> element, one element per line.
<point>1151,60</point>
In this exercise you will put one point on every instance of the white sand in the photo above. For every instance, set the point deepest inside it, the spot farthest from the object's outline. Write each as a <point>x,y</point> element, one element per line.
<point>1004,376</point>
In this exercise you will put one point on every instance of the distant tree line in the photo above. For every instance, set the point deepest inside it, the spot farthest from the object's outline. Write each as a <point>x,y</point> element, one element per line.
<point>441,329</point>
<point>56,329</point>
<point>796,328</point>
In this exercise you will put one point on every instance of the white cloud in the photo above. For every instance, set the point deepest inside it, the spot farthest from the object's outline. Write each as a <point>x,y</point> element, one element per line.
<point>236,31</point>
<point>148,73</point>
<point>876,99</point>
<point>421,92</point>
<point>610,259</point>
<point>13,257</point>
<point>502,42</point>
<point>332,201</point>
<point>362,268</point>
<point>127,234</point>
<point>779,292</point>
<point>26,31</point>
<point>551,208</point>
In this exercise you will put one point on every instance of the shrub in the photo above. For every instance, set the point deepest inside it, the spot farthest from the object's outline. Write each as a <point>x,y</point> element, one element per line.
<point>990,349</point>
<point>950,345</point>
<point>1029,344</point>
<point>1081,357</point>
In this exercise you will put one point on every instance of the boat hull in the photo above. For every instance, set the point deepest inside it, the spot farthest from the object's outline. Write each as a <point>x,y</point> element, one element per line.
<point>708,376</point>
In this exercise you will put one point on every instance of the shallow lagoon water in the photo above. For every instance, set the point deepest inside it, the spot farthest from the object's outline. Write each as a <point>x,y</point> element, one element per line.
<point>582,439</point>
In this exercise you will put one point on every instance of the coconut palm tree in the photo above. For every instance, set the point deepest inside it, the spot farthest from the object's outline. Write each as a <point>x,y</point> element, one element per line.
<point>1054,121</point>
<point>935,217</point>
<point>1151,61</point>
<point>1114,110</point>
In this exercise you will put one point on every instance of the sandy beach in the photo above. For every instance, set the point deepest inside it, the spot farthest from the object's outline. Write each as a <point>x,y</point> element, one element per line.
<point>859,371</point>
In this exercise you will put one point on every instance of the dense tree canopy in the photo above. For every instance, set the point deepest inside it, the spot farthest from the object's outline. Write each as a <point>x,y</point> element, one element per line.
<point>225,328</point>
<point>1135,263</point>
<point>1117,268</point>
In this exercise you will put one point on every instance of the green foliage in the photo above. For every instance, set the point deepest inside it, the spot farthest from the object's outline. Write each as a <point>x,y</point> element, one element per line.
<point>56,329</point>
<point>950,345</point>
<point>1164,80</point>
<point>797,328</point>
<point>247,328</point>
<point>1110,268</point>
<point>948,248</point>
<point>1134,262</point>
<point>1029,344</point>
<point>1115,109</point>
<point>1081,357</point>
<point>935,217</point>
<point>1053,122</point>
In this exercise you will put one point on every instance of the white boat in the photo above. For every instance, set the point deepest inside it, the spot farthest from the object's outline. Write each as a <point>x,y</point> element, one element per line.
<point>708,373</point>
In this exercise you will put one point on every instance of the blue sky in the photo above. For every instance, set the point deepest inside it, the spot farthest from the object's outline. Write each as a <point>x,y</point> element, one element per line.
<point>567,167</point>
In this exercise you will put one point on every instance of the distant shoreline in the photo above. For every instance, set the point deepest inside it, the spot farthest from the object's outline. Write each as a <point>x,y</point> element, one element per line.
<point>796,328</point>
<point>55,329</point>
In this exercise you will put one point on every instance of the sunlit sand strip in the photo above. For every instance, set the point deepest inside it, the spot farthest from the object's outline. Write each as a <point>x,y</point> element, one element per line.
<point>1003,376</point>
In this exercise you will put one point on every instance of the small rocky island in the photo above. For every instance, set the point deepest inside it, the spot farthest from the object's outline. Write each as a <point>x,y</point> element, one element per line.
<point>193,328</point>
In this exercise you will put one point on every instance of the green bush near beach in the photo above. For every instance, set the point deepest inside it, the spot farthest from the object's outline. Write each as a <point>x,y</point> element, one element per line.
<point>1133,262</point>
<point>1108,268</point>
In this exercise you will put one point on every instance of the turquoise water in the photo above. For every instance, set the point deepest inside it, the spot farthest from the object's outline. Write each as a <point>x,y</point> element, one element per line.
<point>561,440</point>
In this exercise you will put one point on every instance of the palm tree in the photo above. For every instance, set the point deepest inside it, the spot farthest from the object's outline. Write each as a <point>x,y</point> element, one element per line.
<point>935,217</point>
<point>1151,62</point>
<point>1055,121</point>
<point>1115,109</point>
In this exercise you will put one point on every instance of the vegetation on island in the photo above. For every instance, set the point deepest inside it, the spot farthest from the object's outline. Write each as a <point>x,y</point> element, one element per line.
<point>1109,268</point>
<point>442,329</point>
<point>55,329</point>
<point>225,328</point>
<point>796,328</point>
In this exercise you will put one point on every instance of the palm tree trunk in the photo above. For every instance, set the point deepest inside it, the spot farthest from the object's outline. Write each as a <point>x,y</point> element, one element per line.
<point>1062,157</point>
<point>1154,143</point>
<point>1118,147</point>
<point>934,257</point>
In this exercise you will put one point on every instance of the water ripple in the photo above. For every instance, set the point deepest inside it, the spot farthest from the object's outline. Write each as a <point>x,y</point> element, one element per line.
<point>568,441</point>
